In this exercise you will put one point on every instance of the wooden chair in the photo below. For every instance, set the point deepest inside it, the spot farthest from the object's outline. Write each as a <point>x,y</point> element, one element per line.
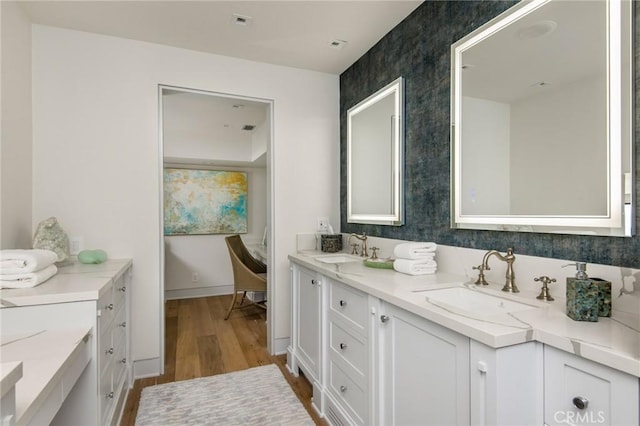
<point>249,274</point>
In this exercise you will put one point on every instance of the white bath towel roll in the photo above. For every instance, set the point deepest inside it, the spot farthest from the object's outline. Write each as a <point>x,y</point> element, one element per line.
<point>415,250</point>
<point>18,261</point>
<point>415,266</point>
<point>28,280</point>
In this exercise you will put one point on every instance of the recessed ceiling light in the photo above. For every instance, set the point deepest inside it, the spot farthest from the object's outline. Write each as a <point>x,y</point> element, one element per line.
<point>243,20</point>
<point>337,44</point>
<point>536,30</point>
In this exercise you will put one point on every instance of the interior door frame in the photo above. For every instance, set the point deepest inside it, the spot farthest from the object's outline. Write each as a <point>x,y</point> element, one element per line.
<point>270,212</point>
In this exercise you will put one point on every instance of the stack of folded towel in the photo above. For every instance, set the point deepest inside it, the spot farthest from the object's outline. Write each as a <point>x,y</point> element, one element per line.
<point>26,268</point>
<point>415,258</point>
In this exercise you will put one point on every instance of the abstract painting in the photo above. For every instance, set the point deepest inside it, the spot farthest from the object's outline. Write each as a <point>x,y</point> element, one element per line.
<point>200,202</point>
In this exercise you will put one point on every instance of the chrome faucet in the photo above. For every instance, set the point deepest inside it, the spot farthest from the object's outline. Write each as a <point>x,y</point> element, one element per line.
<point>510,284</point>
<point>363,238</point>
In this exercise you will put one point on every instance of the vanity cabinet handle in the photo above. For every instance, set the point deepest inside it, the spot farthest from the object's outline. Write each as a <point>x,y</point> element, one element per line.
<point>123,324</point>
<point>343,388</point>
<point>384,318</point>
<point>123,361</point>
<point>109,306</point>
<point>343,346</point>
<point>110,395</point>
<point>123,289</point>
<point>314,282</point>
<point>343,303</point>
<point>580,402</point>
<point>109,351</point>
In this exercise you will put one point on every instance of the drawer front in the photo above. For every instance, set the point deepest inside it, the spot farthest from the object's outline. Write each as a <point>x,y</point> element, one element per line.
<point>105,346</point>
<point>119,362</point>
<point>350,348</point>
<point>351,396</point>
<point>106,395</point>
<point>580,391</point>
<point>120,291</point>
<point>106,309</point>
<point>348,303</point>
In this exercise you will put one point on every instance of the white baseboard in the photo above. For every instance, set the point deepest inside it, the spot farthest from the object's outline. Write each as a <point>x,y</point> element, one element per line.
<point>190,293</point>
<point>146,368</point>
<point>280,345</point>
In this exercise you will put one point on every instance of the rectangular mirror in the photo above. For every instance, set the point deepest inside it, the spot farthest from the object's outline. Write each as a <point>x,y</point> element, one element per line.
<point>375,147</point>
<point>542,120</point>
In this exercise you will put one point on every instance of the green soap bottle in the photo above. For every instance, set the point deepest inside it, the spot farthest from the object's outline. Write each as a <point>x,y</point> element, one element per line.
<point>582,295</point>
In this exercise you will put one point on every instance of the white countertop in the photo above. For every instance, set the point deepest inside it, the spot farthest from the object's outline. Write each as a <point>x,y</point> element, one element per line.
<point>45,356</point>
<point>607,341</point>
<point>72,283</point>
<point>10,373</point>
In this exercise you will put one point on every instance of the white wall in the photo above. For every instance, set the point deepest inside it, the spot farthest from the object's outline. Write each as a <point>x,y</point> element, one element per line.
<point>16,139</point>
<point>207,254</point>
<point>96,152</point>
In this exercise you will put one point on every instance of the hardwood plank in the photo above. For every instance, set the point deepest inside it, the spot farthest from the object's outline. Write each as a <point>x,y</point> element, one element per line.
<point>199,342</point>
<point>210,356</point>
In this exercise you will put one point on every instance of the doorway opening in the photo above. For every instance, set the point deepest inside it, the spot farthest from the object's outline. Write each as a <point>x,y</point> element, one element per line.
<point>213,133</point>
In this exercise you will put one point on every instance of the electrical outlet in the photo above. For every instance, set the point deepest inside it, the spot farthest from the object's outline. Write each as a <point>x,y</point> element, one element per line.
<point>323,223</point>
<point>195,277</point>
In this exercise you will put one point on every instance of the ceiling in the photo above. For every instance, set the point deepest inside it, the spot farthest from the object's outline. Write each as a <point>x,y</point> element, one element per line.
<point>290,33</point>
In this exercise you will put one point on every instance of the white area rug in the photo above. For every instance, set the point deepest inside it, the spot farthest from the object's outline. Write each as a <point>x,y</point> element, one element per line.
<point>258,396</point>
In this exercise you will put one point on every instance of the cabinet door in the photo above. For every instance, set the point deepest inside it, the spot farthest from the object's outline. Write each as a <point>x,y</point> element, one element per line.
<point>424,371</point>
<point>308,298</point>
<point>605,396</point>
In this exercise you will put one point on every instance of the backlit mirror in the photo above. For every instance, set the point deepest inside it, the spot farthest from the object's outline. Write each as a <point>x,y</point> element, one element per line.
<point>375,145</point>
<point>541,120</point>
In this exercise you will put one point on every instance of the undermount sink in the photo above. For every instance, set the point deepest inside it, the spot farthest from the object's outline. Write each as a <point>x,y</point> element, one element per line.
<point>337,258</point>
<point>474,302</point>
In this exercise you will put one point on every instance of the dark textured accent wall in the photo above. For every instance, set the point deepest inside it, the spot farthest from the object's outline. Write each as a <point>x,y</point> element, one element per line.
<point>418,49</point>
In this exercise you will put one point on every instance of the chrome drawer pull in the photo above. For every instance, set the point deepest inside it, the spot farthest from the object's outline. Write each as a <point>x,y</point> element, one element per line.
<point>343,303</point>
<point>343,346</point>
<point>580,402</point>
<point>314,282</point>
<point>109,351</point>
<point>123,361</point>
<point>123,289</point>
<point>123,324</point>
<point>109,306</point>
<point>384,318</point>
<point>343,388</point>
<point>110,395</point>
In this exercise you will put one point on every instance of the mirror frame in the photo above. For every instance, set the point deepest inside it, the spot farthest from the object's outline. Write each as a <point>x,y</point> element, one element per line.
<point>396,217</point>
<point>611,224</point>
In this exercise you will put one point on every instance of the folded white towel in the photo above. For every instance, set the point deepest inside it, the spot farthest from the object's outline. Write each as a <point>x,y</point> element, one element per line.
<point>30,279</point>
<point>415,266</point>
<point>25,261</point>
<point>415,250</point>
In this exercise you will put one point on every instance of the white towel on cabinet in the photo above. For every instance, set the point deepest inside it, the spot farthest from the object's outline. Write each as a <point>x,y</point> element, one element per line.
<point>18,261</point>
<point>415,266</point>
<point>415,250</point>
<point>29,279</point>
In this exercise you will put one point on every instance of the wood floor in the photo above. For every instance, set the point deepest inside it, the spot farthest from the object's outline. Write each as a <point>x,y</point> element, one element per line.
<point>199,343</point>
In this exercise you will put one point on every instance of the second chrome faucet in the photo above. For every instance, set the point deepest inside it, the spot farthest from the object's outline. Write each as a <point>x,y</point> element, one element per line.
<point>509,258</point>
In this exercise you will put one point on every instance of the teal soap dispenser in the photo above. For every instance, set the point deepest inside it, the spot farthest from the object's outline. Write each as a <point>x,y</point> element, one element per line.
<point>582,295</point>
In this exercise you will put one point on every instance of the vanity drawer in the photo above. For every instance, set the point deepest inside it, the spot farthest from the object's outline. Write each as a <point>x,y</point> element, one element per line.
<point>106,309</point>
<point>350,348</point>
<point>349,304</point>
<point>120,291</point>
<point>349,394</point>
